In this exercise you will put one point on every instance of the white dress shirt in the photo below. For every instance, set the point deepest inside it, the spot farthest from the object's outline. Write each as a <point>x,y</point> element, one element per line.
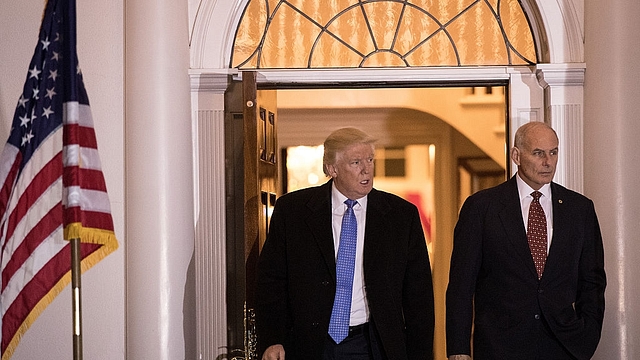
<point>359,307</point>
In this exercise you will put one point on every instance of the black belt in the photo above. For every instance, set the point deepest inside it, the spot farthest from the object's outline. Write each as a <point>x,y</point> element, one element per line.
<point>358,329</point>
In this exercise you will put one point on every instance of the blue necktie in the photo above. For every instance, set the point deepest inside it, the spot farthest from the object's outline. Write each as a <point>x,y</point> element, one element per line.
<point>339,324</point>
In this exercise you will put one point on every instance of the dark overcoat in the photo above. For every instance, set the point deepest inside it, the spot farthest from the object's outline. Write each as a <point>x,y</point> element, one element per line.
<point>297,276</point>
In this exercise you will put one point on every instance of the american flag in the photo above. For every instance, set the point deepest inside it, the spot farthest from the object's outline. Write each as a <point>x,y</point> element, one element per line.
<point>52,187</point>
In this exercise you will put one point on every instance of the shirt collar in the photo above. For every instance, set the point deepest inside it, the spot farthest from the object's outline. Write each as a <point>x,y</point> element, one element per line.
<point>338,199</point>
<point>525,190</point>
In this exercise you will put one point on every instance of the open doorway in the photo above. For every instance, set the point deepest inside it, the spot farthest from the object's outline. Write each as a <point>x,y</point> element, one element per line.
<point>424,137</point>
<point>435,146</point>
<point>549,90</point>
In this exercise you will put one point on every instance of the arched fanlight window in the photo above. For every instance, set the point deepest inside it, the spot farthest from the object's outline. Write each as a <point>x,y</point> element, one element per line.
<point>382,33</point>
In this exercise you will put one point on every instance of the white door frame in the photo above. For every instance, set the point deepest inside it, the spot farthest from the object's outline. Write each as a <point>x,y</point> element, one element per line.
<point>551,91</point>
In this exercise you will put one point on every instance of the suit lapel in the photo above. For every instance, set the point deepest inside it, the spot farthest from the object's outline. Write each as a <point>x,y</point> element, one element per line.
<point>511,217</point>
<point>375,227</point>
<point>560,228</point>
<point>319,221</point>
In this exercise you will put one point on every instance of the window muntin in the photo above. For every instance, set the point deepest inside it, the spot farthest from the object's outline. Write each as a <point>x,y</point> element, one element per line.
<point>382,33</point>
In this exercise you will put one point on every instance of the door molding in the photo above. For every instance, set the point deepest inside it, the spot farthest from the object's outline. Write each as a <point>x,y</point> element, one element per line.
<point>547,92</point>
<point>558,27</point>
<point>551,92</point>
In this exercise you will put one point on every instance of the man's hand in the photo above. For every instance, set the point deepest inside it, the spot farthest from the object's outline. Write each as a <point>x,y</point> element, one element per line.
<point>459,357</point>
<point>275,352</point>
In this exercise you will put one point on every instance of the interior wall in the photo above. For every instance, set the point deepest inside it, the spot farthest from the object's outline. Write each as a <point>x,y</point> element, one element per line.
<point>479,116</point>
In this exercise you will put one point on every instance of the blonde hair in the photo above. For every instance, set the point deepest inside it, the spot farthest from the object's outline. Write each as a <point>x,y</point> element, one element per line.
<point>339,140</point>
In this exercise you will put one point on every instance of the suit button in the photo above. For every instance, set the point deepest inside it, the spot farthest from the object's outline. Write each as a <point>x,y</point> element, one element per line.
<point>540,291</point>
<point>325,283</point>
<point>315,324</point>
<point>537,317</point>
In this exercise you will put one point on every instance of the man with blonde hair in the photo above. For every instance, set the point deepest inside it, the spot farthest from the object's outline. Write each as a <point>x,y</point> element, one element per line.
<point>345,272</point>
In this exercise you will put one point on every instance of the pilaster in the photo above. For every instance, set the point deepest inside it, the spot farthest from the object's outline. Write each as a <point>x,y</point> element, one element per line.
<point>563,86</point>
<point>207,102</point>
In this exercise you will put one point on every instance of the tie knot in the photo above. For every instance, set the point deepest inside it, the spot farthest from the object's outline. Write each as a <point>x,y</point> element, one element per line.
<point>350,203</point>
<point>536,195</point>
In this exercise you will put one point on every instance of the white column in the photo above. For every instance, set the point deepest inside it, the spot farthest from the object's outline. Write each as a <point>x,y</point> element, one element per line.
<point>159,182</point>
<point>563,90</point>
<point>612,163</point>
<point>207,99</point>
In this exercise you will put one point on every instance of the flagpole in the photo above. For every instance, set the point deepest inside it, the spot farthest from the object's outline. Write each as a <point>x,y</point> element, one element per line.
<point>76,257</point>
<point>76,298</point>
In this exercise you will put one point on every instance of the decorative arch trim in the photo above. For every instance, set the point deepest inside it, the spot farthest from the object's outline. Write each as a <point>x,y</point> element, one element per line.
<point>556,27</point>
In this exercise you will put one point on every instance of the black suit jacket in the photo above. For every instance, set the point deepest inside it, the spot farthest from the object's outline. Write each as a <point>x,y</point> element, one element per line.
<point>492,265</point>
<point>297,276</point>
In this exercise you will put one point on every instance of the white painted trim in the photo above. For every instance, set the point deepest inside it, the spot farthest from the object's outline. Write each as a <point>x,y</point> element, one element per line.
<point>380,76</point>
<point>564,30</point>
<point>214,30</point>
<point>564,100</point>
<point>561,74</point>
<point>210,244</point>
<point>559,31</point>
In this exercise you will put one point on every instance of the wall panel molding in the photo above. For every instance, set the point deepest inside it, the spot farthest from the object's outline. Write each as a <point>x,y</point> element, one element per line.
<point>210,247</point>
